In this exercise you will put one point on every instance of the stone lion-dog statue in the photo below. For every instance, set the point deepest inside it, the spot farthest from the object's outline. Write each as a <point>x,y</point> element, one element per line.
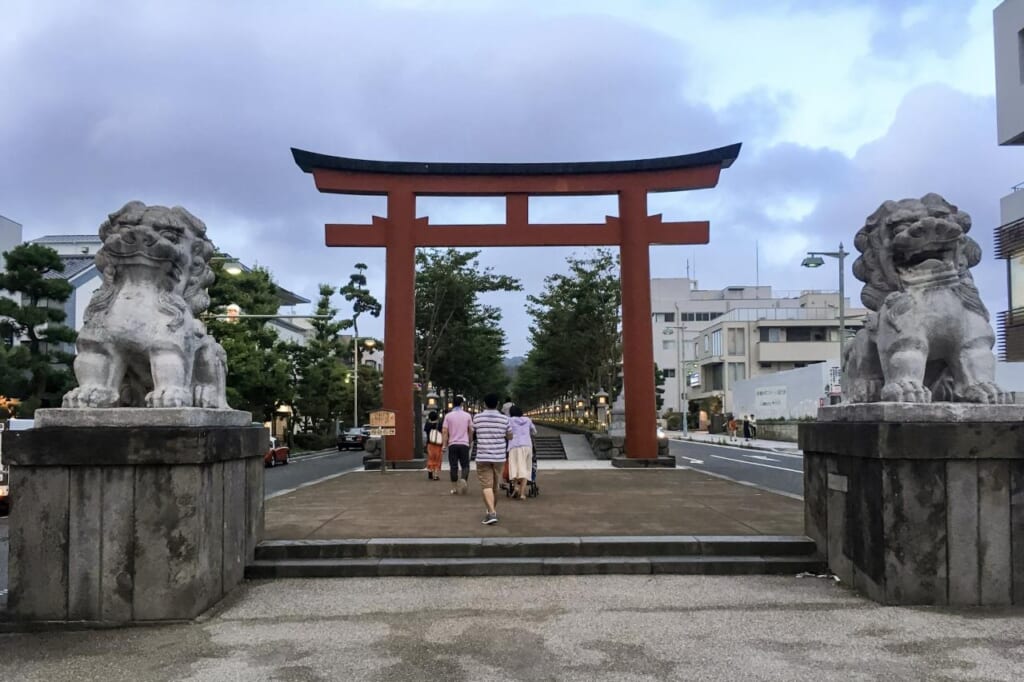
<point>929,337</point>
<point>142,344</point>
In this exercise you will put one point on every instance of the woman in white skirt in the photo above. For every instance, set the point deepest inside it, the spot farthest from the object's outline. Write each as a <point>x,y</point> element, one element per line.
<point>520,451</point>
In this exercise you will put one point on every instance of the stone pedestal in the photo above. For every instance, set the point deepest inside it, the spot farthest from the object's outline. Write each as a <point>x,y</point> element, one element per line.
<point>126,524</point>
<point>919,503</point>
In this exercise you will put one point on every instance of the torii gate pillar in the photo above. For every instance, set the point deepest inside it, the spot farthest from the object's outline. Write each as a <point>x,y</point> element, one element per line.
<point>633,231</point>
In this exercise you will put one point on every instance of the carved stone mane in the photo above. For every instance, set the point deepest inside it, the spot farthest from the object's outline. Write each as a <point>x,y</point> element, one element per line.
<point>142,344</point>
<point>929,337</point>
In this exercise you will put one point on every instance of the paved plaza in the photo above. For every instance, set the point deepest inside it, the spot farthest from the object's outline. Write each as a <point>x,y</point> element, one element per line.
<point>589,628</point>
<point>577,498</point>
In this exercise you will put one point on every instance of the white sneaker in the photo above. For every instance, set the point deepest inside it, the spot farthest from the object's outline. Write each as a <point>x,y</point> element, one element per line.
<point>462,486</point>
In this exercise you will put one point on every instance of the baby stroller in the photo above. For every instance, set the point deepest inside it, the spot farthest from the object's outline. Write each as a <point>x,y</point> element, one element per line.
<point>532,489</point>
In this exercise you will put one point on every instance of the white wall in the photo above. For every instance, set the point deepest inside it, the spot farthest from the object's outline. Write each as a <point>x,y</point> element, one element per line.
<point>1008,20</point>
<point>791,394</point>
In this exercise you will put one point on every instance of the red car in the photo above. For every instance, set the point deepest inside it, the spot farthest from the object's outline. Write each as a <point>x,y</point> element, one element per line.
<point>276,454</point>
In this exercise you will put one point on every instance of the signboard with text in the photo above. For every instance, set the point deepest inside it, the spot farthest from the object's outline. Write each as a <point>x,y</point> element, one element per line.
<point>382,423</point>
<point>770,402</point>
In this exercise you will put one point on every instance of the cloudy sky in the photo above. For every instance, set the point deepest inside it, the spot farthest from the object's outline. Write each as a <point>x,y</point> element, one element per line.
<point>839,106</point>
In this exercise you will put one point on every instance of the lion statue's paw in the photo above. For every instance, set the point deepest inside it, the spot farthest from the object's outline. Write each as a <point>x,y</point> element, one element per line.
<point>171,396</point>
<point>906,391</point>
<point>91,395</point>
<point>206,395</point>
<point>986,392</point>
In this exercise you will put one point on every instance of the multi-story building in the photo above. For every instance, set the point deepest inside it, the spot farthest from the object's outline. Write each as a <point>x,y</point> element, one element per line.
<point>1008,20</point>
<point>715,338</point>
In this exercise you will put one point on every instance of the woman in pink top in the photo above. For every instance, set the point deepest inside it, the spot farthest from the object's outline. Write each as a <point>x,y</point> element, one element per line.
<point>520,450</point>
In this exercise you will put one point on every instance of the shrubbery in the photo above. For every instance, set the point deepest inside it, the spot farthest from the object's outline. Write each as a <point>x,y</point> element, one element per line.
<point>314,441</point>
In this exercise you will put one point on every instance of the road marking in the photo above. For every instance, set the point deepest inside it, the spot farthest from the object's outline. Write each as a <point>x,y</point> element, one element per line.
<point>758,464</point>
<point>691,460</point>
<point>762,457</point>
<point>775,453</point>
<point>314,482</point>
<point>715,474</point>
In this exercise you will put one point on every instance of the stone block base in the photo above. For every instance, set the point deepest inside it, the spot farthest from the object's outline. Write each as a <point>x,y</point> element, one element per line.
<point>911,508</point>
<point>638,463</point>
<point>372,463</point>
<point>117,525</point>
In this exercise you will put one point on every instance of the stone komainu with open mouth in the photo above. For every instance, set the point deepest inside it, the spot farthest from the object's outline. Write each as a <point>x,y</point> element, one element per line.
<point>142,344</point>
<point>929,337</point>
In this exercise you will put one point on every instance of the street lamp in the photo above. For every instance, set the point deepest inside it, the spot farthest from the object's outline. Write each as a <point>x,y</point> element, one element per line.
<point>814,260</point>
<point>369,343</point>
<point>682,378</point>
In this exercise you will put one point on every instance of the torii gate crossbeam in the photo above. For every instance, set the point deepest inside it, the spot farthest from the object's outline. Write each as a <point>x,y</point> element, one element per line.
<point>633,231</point>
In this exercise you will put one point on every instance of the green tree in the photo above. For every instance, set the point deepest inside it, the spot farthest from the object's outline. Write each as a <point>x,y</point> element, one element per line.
<point>260,377</point>
<point>39,370</point>
<point>574,337</point>
<point>321,370</point>
<point>659,388</point>
<point>459,340</point>
<point>356,293</point>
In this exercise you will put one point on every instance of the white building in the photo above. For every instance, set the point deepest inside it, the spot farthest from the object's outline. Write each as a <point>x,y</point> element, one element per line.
<point>722,336</point>
<point>1008,20</point>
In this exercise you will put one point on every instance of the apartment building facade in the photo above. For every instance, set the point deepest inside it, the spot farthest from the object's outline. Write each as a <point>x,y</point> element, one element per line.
<point>1008,23</point>
<point>707,340</point>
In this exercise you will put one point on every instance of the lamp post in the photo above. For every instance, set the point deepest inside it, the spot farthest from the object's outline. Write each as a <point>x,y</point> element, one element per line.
<point>814,260</point>
<point>370,343</point>
<point>681,376</point>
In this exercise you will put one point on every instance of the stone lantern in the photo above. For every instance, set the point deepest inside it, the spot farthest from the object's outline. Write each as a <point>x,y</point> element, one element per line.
<point>602,406</point>
<point>433,400</point>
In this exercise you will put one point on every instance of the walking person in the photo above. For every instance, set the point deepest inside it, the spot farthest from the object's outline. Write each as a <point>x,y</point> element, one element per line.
<point>746,429</point>
<point>753,427</point>
<point>520,451</point>
<point>492,434</point>
<point>732,426</point>
<point>434,449</point>
<point>456,433</point>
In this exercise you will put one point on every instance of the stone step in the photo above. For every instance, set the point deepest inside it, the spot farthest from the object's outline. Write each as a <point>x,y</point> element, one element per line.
<point>481,566</point>
<point>538,547</point>
<point>548,447</point>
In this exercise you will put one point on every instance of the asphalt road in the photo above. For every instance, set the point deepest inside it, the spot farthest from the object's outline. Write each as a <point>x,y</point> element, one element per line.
<point>310,467</point>
<point>783,473</point>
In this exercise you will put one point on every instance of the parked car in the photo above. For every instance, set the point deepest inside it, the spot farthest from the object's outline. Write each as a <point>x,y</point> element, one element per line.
<point>352,439</point>
<point>276,454</point>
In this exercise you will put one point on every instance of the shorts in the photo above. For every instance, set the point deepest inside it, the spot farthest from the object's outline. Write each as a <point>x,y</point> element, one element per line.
<point>489,474</point>
<point>520,462</point>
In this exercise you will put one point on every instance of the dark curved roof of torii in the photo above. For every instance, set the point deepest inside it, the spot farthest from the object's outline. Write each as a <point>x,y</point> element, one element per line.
<point>723,156</point>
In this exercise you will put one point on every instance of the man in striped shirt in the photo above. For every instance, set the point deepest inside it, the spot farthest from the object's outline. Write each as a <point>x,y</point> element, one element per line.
<point>492,432</point>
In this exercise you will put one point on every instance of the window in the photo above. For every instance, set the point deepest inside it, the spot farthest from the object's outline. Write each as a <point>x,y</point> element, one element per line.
<point>715,372</point>
<point>668,373</point>
<point>664,317</point>
<point>1020,53</point>
<point>1017,281</point>
<point>798,334</point>
<point>737,341</point>
<point>707,344</point>
<point>716,342</point>
<point>772,334</point>
<point>668,344</point>
<point>737,372</point>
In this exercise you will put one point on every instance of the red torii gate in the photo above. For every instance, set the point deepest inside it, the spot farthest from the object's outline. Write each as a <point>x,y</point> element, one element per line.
<point>633,231</point>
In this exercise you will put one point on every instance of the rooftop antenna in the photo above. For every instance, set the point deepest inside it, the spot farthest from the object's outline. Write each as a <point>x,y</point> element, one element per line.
<point>757,264</point>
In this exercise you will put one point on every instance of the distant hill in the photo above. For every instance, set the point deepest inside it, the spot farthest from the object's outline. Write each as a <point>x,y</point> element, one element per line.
<point>514,361</point>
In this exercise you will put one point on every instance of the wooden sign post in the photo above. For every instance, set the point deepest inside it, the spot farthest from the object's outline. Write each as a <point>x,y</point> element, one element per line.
<point>382,425</point>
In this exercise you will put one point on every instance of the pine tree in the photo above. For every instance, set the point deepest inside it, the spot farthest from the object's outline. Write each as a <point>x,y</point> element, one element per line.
<point>38,369</point>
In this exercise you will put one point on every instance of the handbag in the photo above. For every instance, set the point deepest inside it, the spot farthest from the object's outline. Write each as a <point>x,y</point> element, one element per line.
<point>435,437</point>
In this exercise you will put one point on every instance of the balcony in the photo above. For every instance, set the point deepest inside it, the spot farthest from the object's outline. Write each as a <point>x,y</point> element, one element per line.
<point>1010,335</point>
<point>797,351</point>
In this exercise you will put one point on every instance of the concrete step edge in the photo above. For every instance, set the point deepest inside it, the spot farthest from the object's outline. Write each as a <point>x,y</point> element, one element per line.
<point>536,547</point>
<point>690,565</point>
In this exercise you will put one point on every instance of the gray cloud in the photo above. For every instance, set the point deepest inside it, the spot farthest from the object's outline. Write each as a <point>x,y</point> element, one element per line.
<point>198,103</point>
